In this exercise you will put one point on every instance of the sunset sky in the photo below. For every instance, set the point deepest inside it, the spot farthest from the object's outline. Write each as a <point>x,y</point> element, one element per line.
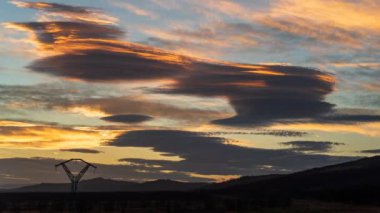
<point>191,90</point>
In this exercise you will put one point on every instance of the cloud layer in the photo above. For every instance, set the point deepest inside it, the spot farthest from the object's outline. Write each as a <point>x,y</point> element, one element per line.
<point>311,146</point>
<point>25,134</point>
<point>129,118</point>
<point>260,94</point>
<point>208,155</point>
<point>81,150</point>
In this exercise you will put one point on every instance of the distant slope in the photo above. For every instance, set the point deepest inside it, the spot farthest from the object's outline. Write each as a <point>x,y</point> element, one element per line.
<point>356,180</point>
<point>240,181</point>
<point>104,185</point>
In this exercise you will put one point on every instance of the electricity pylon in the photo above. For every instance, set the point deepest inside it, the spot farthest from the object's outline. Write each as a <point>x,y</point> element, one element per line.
<point>75,178</point>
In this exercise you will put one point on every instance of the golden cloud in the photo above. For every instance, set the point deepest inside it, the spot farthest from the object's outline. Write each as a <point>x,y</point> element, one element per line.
<point>339,21</point>
<point>18,134</point>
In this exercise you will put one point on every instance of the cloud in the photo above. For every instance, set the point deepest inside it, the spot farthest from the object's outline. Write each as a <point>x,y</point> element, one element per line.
<point>77,13</point>
<point>81,150</point>
<point>66,36</point>
<point>16,134</point>
<point>371,151</point>
<point>335,12</point>
<point>210,8</point>
<point>299,91</point>
<point>348,118</point>
<point>311,146</point>
<point>326,21</point>
<point>135,105</point>
<point>134,9</point>
<point>282,133</point>
<point>278,133</point>
<point>129,118</point>
<point>207,155</point>
<point>102,65</point>
<point>102,100</point>
<point>360,65</point>
<point>93,52</point>
<point>206,41</point>
<point>51,96</point>
<point>369,129</point>
<point>260,94</point>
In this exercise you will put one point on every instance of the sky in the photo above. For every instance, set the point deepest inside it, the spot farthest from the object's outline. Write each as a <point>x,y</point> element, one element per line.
<point>190,90</point>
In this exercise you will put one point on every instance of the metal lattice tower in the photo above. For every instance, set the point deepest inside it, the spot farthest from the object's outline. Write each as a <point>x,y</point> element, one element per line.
<point>75,178</point>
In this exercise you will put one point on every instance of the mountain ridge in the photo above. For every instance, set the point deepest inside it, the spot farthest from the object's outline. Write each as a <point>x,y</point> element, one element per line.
<point>103,185</point>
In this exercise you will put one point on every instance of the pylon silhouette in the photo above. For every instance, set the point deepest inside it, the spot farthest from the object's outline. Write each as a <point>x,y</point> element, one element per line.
<point>75,178</point>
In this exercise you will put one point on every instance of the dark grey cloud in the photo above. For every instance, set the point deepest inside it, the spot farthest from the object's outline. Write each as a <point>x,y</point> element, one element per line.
<point>128,118</point>
<point>81,150</point>
<point>102,65</point>
<point>282,133</point>
<point>278,133</point>
<point>95,52</point>
<point>311,146</point>
<point>58,11</point>
<point>54,7</point>
<point>51,32</point>
<point>207,155</point>
<point>50,94</point>
<point>282,94</point>
<point>371,151</point>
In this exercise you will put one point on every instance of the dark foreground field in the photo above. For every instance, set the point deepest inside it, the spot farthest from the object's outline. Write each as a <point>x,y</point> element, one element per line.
<point>175,202</point>
<point>128,202</point>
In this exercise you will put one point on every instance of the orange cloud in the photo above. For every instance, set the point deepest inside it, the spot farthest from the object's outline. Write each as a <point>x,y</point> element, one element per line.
<point>14,134</point>
<point>345,22</point>
<point>216,178</point>
<point>209,8</point>
<point>248,84</point>
<point>132,8</point>
<point>349,15</point>
<point>267,72</point>
<point>8,123</point>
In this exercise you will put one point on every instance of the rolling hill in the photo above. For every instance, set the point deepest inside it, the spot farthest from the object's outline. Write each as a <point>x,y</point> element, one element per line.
<point>108,185</point>
<point>356,181</point>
